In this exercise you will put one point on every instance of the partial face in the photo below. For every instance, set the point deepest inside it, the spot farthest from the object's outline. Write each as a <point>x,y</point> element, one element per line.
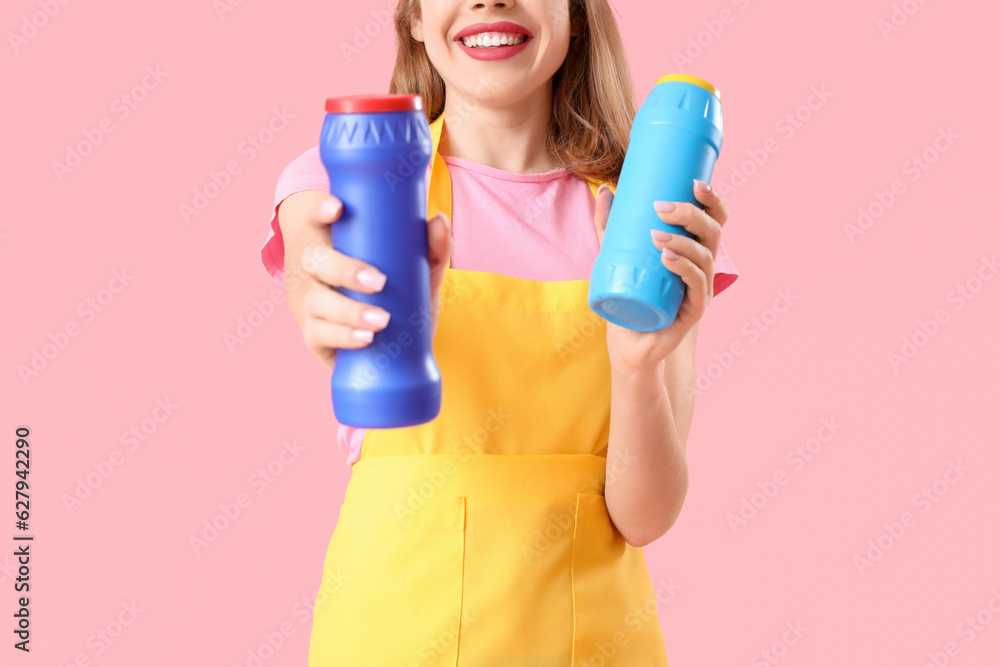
<point>524,51</point>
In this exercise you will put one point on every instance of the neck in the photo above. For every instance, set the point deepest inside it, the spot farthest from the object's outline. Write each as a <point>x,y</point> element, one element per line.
<point>509,138</point>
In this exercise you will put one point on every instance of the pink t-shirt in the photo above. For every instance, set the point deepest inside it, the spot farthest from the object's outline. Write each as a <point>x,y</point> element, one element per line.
<point>534,226</point>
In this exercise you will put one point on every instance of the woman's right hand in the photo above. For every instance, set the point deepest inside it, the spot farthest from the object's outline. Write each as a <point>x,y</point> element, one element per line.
<point>333,320</point>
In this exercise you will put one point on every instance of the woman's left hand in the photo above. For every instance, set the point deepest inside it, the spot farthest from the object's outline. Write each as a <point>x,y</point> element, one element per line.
<point>694,263</point>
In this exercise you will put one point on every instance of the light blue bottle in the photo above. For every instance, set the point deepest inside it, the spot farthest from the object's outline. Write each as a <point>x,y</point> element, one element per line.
<point>676,137</point>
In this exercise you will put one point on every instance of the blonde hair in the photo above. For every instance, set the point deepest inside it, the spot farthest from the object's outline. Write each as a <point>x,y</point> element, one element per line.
<point>593,104</point>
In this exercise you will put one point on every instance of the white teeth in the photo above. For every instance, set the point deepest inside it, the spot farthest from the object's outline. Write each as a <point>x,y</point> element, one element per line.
<point>492,39</point>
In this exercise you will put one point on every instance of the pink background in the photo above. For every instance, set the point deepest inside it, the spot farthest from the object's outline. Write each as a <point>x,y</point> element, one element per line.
<point>188,284</point>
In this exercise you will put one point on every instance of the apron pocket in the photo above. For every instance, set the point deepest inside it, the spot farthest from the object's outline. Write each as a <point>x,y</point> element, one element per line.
<point>392,585</point>
<point>614,605</point>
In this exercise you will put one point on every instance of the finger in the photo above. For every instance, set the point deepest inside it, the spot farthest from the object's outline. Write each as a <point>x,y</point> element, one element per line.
<point>324,303</point>
<point>439,241</point>
<point>320,339</point>
<point>697,222</point>
<point>336,269</point>
<point>694,278</point>
<point>710,199</point>
<point>602,210</point>
<point>697,253</point>
<point>327,210</point>
<point>320,334</point>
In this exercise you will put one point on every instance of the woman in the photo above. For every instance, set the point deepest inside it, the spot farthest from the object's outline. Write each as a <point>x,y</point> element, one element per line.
<point>509,530</point>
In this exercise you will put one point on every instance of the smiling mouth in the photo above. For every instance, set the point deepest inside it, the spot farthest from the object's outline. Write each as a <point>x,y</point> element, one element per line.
<point>493,40</point>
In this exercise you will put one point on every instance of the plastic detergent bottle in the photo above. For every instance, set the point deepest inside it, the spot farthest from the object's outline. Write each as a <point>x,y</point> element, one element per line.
<point>376,149</point>
<point>676,137</point>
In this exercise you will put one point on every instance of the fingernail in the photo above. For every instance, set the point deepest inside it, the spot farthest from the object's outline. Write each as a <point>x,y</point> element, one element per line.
<point>371,278</point>
<point>702,185</point>
<point>664,206</point>
<point>660,235</point>
<point>669,254</point>
<point>362,334</point>
<point>604,186</point>
<point>330,208</point>
<point>379,318</point>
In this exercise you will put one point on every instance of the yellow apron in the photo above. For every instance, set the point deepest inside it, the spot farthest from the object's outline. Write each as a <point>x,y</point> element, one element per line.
<point>482,538</point>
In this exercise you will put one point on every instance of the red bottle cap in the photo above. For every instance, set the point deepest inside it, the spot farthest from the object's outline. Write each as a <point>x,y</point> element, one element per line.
<point>374,103</point>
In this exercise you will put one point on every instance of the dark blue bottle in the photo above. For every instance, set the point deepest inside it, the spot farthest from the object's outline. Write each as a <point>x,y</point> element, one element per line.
<point>376,149</point>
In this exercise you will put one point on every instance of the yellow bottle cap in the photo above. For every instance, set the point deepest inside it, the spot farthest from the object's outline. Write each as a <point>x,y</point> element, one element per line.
<point>692,79</point>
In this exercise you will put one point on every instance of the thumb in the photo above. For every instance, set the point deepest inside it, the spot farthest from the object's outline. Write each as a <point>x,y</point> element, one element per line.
<point>439,243</point>
<point>602,210</point>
